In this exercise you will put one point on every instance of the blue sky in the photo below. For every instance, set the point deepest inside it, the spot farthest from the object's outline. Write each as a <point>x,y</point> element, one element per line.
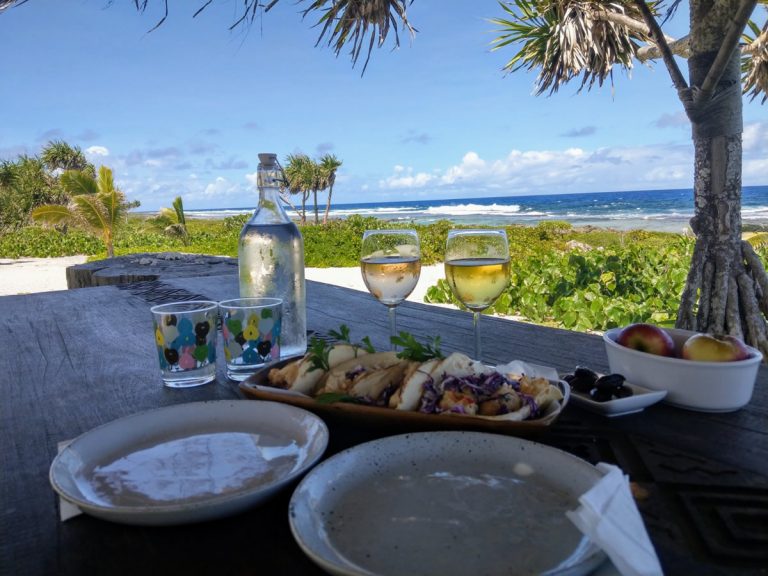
<point>185,109</point>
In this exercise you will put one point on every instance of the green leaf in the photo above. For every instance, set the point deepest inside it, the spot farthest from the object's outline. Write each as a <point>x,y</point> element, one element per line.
<point>412,349</point>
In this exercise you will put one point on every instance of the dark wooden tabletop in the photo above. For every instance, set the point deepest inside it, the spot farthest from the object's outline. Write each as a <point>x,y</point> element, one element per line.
<point>72,360</point>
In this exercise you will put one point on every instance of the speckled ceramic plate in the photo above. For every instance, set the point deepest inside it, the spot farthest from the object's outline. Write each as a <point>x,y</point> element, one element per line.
<point>188,462</point>
<point>445,503</point>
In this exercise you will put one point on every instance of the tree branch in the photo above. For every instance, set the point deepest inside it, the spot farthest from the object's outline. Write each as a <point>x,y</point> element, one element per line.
<point>730,43</point>
<point>680,47</point>
<point>658,37</point>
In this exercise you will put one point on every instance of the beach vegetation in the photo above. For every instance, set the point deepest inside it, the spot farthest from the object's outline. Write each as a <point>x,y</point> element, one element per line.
<point>580,278</point>
<point>31,181</point>
<point>172,221</point>
<point>95,205</point>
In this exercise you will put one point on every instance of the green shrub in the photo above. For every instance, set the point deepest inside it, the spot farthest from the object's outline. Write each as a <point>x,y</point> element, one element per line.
<point>625,276</point>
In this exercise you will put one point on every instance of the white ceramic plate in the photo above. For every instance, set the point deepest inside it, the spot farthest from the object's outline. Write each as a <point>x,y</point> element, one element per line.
<point>188,462</point>
<point>641,398</point>
<point>445,503</point>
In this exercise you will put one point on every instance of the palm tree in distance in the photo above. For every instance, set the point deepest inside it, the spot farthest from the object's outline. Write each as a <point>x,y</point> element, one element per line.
<point>299,172</point>
<point>328,165</point>
<point>96,205</point>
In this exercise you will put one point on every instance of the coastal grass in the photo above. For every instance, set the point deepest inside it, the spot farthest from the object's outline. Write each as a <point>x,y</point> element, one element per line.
<point>576,278</point>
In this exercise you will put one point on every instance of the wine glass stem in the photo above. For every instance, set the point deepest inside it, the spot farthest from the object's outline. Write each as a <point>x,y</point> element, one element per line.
<point>392,327</point>
<point>476,326</point>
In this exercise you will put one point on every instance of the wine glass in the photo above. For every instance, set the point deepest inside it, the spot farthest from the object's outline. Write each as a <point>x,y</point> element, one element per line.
<point>390,261</point>
<point>477,270</point>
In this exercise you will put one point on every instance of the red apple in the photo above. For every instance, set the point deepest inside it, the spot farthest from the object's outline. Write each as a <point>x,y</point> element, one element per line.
<point>709,348</point>
<point>647,338</point>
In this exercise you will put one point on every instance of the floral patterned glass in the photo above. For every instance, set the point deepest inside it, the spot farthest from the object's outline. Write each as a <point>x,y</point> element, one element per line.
<point>185,334</point>
<point>251,330</point>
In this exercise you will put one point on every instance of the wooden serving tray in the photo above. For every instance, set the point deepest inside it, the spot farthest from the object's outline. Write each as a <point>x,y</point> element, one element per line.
<point>257,387</point>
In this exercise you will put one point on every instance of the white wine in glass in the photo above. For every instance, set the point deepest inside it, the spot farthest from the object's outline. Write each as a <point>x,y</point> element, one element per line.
<point>477,270</point>
<point>390,261</point>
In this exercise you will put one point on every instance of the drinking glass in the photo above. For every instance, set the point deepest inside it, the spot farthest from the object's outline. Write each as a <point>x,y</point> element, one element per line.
<point>185,334</point>
<point>390,261</point>
<point>477,270</point>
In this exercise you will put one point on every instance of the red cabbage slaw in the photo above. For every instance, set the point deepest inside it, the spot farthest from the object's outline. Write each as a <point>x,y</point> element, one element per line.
<point>482,387</point>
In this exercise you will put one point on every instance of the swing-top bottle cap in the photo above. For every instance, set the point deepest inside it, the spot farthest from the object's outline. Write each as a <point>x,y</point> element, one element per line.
<point>267,160</point>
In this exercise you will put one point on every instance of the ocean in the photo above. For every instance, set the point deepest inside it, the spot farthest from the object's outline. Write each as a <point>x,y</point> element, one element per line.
<point>659,210</point>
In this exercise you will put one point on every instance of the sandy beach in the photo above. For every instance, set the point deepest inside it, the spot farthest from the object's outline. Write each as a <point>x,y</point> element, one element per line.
<point>29,275</point>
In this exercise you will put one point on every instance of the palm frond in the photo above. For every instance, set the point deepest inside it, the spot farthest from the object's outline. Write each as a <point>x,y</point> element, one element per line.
<point>178,206</point>
<point>52,214</point>
<point>754,61</point>
<point>92,213</point>
<point>165,217</point>
<point>112,200</point>
<point>566,39</point>
<point>361,23</point>
<point>76,182</point>
<point>758,240</point>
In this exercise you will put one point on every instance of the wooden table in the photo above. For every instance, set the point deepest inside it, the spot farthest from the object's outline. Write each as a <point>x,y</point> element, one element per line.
<point>72,360</point>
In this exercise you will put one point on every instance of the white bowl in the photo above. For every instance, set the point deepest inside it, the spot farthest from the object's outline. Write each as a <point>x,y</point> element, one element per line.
<point>695,385</point>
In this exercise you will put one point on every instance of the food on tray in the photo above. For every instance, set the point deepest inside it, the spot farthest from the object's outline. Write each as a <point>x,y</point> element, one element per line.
<point>305,374</point>
<point>416,379</point>
<point>598,388</point>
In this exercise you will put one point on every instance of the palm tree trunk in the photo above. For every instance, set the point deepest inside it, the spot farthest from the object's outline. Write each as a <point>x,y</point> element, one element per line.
<point>725,289</point>
<point>328,204</point>
<point>304,196</point>
<point>314,193</point>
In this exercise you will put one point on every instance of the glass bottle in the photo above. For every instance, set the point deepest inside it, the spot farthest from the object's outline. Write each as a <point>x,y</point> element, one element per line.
<point>271,258</point>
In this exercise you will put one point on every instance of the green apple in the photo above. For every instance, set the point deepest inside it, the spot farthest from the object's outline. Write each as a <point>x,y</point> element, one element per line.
<point>714,348</point>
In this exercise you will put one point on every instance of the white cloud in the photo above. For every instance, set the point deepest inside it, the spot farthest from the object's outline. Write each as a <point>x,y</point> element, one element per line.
<point>553,171</point>
<point>405,178</point>
<point>755,138</point>
<point>97,151</point>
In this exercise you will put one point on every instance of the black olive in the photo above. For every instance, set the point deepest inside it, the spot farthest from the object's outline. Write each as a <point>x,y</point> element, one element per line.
<point>240,339</point>
<point>609,382</point>
<point>585,374</point>
<point>623,392</point>
<point>600,395</point>
<point>582,380</point>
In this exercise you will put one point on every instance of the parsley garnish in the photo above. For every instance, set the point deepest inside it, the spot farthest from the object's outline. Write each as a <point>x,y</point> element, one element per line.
<point>319,349</point>
<point>318,354</point>
<point>414,350</point>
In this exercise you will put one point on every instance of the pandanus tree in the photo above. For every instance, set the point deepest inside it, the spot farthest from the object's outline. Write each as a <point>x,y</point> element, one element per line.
<point>95,205</point>
<point>727,288</point>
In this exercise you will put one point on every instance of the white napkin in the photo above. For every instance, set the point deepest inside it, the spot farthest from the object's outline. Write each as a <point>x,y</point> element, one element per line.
<point>609,517</point>
<point>531,370</point>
